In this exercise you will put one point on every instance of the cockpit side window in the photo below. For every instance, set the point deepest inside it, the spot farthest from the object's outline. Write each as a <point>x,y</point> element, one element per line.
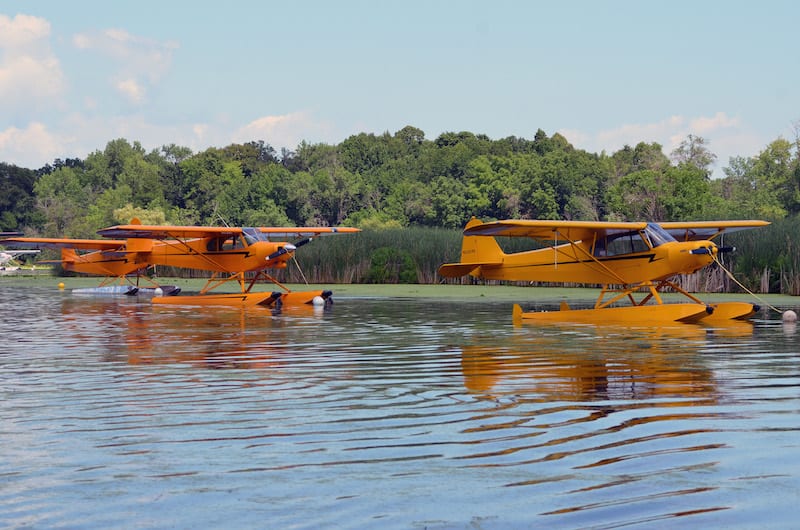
<point>620,243</point>
<point>226,242</point>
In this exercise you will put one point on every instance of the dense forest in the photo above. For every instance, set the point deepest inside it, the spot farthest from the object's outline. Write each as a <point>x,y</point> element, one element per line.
<point>393,185</point>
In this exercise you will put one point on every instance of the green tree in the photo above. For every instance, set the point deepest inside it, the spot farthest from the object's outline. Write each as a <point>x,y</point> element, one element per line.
<point>363,153</point>
<point>252,156</point>
<point>143,180</point>
<point>335,194</point>
<point>694,152</point>
<point>267,196</point>
<point>215,188</point>
<point>411,203</point>
<point>675,194</point>
<point>62,199</point>
<point>17,197</point>
<point>756,187</point>
<point>632,159</point>
<point>450,200</point>
<point>168,159</point>
<point>411,138</point>
<point>125,214</point>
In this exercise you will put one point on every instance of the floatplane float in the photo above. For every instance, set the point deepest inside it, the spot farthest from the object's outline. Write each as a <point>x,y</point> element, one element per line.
<point>627,259</point>
<point>234,255</point>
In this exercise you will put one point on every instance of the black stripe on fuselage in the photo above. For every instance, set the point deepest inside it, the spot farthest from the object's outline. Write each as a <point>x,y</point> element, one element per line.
<point>625,257</point>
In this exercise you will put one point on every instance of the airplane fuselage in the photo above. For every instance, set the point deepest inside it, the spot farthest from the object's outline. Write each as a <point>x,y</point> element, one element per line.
<point>211,254</point>
<point>579,263</point>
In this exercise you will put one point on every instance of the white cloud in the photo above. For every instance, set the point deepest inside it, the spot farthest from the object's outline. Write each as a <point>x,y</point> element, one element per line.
<point>286,130</point>
<point>138,63</point>
<point>131,89</point>
<point>633,133</point>
<point>705,125</point>
<point>22,31</point>
<point>200,130</point>
<point>31,147</point>
<point>726,136</point>
<point>30,74</point>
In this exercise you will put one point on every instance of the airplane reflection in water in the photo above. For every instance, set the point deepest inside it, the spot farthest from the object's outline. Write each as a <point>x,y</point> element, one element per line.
<point>226,338</point>
<point>592,363</point>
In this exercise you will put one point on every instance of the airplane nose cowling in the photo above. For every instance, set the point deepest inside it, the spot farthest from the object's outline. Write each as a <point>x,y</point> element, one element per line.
<point>695,255</point>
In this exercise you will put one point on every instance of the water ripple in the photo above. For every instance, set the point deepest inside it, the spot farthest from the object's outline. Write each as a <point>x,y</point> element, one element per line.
<point>401,414</point>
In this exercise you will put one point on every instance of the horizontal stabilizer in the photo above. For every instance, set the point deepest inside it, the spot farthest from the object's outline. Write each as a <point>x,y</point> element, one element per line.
<point>454,270</point>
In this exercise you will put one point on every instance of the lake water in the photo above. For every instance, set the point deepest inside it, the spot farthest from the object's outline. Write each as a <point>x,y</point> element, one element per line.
<point>388,413</point>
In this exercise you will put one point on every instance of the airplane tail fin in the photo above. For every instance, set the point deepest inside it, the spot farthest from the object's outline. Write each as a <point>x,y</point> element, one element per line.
<point>476,251</point>
<point>68,255</point>
<point>138,244</point>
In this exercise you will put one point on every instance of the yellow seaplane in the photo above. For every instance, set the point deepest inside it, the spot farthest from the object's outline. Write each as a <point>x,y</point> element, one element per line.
<point>229,253</point>
<point>625,258</point>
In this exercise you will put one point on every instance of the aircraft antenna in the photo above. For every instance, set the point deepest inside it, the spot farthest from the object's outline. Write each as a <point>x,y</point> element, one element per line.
<point>222,220</point>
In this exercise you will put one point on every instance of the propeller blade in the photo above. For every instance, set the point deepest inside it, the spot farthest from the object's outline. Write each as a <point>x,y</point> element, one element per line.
<point>302,242</point>
<point>722,250</point>
<point>288,247</point>
<point>702,250</point>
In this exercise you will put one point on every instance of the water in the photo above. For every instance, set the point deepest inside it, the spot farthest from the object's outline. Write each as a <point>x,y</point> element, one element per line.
<point>388,413</point>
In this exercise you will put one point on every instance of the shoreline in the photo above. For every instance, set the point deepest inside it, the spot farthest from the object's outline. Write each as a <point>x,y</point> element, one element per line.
<point>467,293</point>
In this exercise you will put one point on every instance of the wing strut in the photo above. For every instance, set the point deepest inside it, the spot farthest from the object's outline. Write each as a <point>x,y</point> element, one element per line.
<point>555,251</point>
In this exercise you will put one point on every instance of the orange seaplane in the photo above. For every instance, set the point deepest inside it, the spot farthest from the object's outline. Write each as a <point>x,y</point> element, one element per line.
<point>238,255</point>
<point>625,258</point>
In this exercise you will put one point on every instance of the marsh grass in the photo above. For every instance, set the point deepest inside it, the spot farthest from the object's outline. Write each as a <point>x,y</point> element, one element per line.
<point>347,258</point>
<point>768,259</point>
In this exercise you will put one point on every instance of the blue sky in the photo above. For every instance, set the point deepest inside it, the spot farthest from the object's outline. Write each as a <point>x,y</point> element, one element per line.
<point>74,75</point>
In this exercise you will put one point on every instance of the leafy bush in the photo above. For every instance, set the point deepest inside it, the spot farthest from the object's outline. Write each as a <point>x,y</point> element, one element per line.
<point>391,265</point>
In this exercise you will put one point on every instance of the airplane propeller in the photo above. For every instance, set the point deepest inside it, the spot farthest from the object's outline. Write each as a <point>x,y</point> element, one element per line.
<point>701,250</point>
<point>288,247</point>
<point>707,250</point>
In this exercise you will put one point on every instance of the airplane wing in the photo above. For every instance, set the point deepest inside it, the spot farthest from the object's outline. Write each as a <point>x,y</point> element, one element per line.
<point>168,232</point>
<point>551,230</point>
<point>307,231</point>
<point>707,230</point>
<point>47,242</point>
<point>14,253</point>
<point>184,232</point>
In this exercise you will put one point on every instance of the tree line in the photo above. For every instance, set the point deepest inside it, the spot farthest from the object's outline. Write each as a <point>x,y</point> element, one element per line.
<point>395,181</point>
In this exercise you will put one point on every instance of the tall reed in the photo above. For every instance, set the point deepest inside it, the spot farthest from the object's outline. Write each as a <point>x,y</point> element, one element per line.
<point>768,259</point>
<point>346,258</point>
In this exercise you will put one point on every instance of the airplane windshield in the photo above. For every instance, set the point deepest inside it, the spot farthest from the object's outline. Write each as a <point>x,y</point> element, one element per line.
<point>657,235</point>
<point>253,235</point>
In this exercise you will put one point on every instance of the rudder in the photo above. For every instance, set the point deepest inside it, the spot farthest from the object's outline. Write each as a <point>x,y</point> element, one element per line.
<point>480,249</point>
<point>476,251</point>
